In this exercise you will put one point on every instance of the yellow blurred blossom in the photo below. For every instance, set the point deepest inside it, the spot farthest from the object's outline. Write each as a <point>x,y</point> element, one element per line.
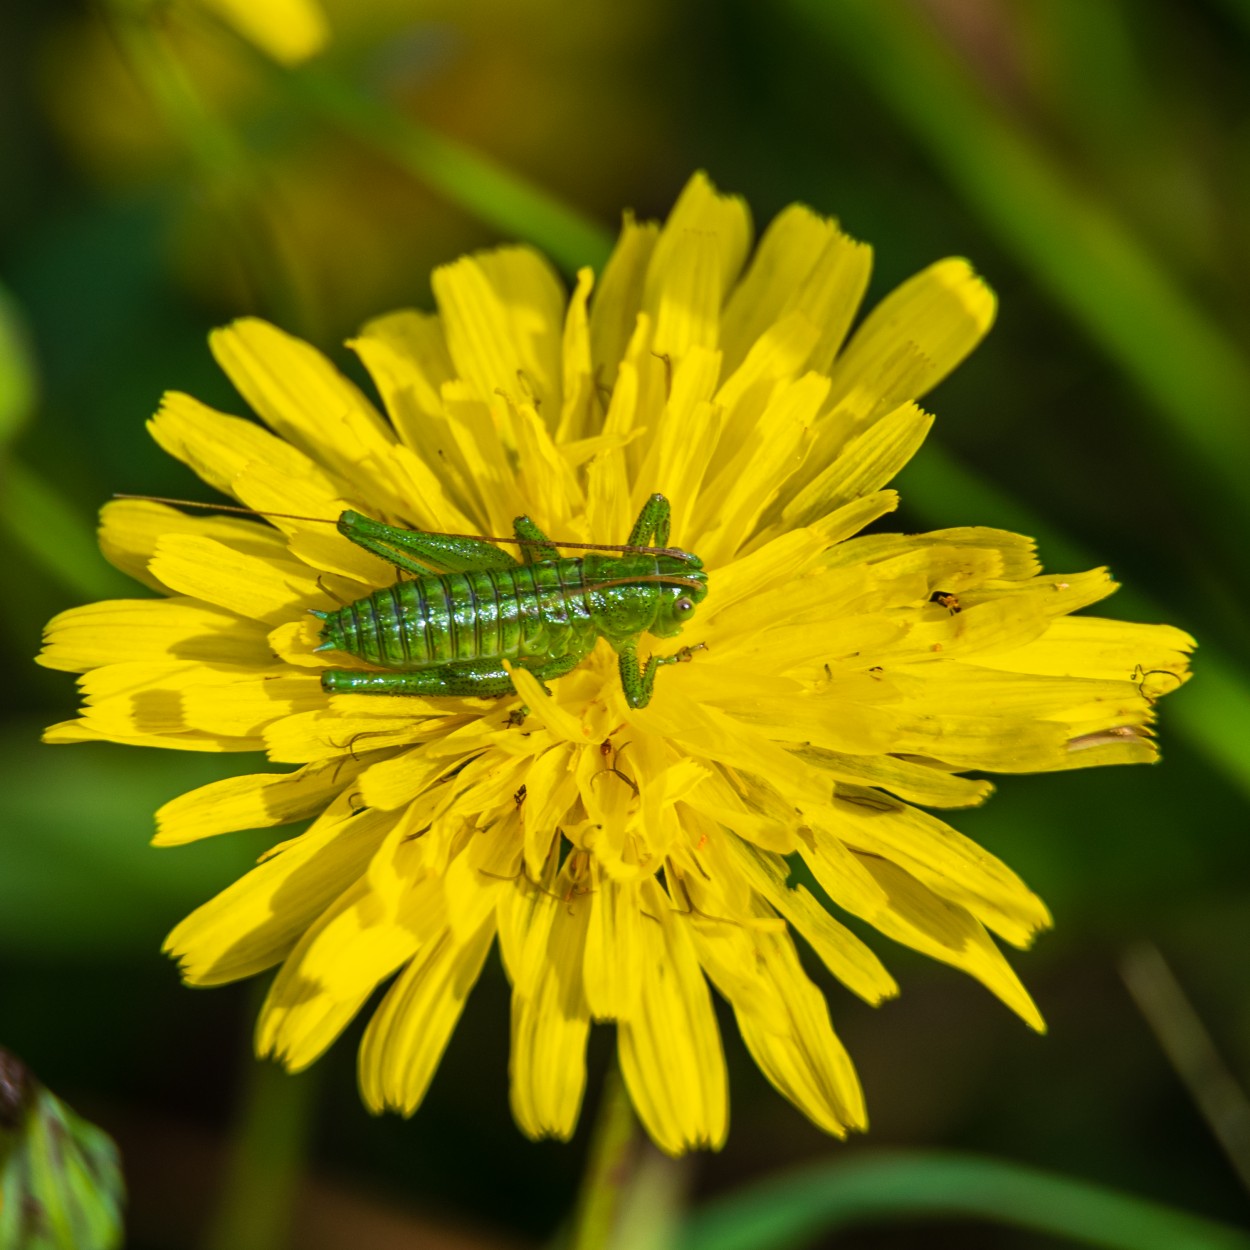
<point>289,30</point>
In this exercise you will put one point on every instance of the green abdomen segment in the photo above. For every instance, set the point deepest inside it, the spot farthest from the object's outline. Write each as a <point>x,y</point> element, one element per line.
<point>532,610</point>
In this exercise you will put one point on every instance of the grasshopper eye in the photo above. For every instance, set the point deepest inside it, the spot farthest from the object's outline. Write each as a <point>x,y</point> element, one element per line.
<point>683,605</point>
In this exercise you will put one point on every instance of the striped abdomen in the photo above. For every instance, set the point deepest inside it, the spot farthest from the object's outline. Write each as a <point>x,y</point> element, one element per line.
<point>537,609</point>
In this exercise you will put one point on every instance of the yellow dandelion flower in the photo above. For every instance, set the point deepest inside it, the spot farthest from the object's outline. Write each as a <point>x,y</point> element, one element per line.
<point>624,856</point>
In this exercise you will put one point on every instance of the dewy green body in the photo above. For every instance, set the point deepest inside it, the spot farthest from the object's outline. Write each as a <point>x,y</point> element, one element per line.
<point>470,605</point>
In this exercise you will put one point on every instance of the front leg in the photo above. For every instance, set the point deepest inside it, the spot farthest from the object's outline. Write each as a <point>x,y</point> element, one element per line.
<point>637,682</point>
<point>651,527</point>
<point>534,544</point>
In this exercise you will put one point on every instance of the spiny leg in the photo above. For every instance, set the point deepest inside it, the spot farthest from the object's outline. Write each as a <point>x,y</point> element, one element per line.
<point>419,551</point>
<point>638,682</point>
<point>651,527</point>
<point>549,670</point>
<point>534,544</point>
<point>481,679</point>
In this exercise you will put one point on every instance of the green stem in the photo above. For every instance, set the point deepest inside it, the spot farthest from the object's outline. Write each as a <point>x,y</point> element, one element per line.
<point>270,1142</point>
<point>613,1154</point>
<point>804,1207</point>
<point>226,169</point>
<point>1191,1049</point>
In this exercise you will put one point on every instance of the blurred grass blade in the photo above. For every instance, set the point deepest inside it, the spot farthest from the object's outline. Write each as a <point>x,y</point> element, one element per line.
<point>1212,712</point>
<point>35,516</point>
<point>78,879</point>
<point>1197,377</point>
<point>1239,10</point>
<point>1191,1049</point>
<point>804,1207</point>
<point>60,1180</point>
<point>489,191</point>
<point>17,371</point>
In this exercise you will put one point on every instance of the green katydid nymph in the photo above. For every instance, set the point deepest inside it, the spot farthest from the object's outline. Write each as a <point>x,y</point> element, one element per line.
<point>468,605</point>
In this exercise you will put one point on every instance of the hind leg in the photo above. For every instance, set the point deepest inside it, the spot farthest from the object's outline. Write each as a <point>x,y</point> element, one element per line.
<point>481,679</point>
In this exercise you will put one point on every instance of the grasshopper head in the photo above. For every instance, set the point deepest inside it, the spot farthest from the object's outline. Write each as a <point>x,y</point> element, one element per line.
<point>679,599</point>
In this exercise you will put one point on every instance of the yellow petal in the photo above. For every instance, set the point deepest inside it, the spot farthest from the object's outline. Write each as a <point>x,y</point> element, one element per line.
<point>613,967</point>
<point>696,260</point>
<point>551,1021</point>
<point>618,300</point>
<point>545,708</point>
<point>501,312</point>
<point>131,528</point>
<point>191,740</point>
<point>797,1048</point>
<point>1090,646</point>
<point>550,790</point>
<point>915,781</point>
<point>118,631</point>
<point>150,698</point>
<point>803,265</point>
<point>243,709</point>
<point>943,313</point>
<point>410,1030</point>
<point>300,394</point>
<point>670,1049</point>
<point>852,962</point>
<point>251,802</point>
<point>336,965</point>
<point>939,857</point>
<point>676,455</point>
<point>252,924</point>
<point>686,304</point>
<point>867,463</point>
<point>754,477</point>
<point>581,407</point>
<point>946,932</point>
<point>349,728</point>
<point>218,447</point>
<point>254,587</point>
<point>406,355</point>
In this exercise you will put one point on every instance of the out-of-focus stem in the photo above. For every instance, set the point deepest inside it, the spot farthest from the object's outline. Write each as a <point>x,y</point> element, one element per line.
<point>225,167</point>
<point>613,1155</point>
<point>269,1145</point>
<point>1191,1050</point>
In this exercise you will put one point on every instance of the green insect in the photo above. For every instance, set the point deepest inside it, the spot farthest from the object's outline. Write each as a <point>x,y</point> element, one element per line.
<point>468,606</point>
<point>448,631</point>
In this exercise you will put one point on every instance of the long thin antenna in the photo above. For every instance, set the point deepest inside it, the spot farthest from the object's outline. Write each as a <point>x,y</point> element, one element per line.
<point>675,552</point>
<point>226,507</point>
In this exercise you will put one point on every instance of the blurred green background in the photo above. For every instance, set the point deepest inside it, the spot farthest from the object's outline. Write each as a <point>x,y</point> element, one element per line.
<point>1092,158</point>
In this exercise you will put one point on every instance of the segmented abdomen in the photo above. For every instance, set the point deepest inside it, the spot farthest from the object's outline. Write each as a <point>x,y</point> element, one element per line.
<point>537,609</point>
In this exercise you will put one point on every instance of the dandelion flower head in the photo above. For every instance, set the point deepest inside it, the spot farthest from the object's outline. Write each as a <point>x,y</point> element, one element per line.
<point>626,860</point>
